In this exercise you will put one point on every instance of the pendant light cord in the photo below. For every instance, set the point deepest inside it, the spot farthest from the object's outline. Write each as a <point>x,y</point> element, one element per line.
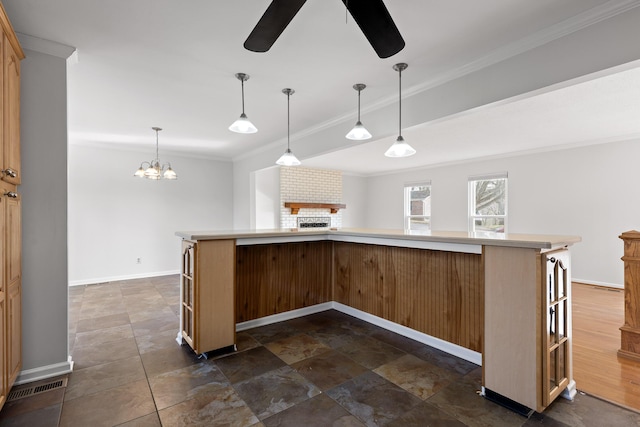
<point>400,102</point>
<point>359,90</point>
<point>157,155</point>
<point>242,85</point>
<point>288,94</point>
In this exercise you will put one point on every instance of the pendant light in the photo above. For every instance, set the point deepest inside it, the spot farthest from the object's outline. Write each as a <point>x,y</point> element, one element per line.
<point>400,148</point>
<point>243,125</point>
<point>288,158</point>
<point>152,169</point>
<point>359,132</point>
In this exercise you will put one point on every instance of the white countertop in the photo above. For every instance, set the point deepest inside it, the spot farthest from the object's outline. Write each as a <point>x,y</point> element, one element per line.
<point>537,241</point>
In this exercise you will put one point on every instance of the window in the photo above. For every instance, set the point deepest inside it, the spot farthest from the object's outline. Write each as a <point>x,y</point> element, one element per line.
<point>488,203</point>
<point>417,206</point>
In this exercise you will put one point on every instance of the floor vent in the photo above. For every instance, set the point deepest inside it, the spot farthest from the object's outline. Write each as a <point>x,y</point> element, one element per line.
<point>31,391</point>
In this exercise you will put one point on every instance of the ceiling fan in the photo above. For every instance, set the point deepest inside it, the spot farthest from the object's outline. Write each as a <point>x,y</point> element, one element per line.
<point>372,17</point>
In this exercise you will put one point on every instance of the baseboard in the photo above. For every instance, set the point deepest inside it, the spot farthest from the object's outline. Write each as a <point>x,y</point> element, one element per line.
<point>94,281</point>
<point>281,317</point>
<point>596,283</point>
<point>447,347</point>
<point>44,372</point>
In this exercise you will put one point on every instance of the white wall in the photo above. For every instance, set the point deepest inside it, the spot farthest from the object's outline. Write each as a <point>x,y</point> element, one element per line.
<point>354,195</point>
<point>44,215</point>
<point>267,198</point>
<point>115,218</point>
<point>591,192</point>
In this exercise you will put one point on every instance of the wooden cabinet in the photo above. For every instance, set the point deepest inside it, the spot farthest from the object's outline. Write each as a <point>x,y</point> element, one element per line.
<point>10,209</point>
<point>11,113</point>
<point>207,297</point>
<point>527,348</point>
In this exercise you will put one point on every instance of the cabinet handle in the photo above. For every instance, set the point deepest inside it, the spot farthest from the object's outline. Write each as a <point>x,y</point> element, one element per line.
<point>10,172</point>
<point>551,260</point>
<point>11,194</point>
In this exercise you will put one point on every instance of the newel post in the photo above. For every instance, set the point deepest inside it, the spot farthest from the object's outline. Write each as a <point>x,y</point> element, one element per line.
<point>630,331</point>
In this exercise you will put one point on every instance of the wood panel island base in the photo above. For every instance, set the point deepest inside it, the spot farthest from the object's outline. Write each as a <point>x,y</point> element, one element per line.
<point>503,302</point>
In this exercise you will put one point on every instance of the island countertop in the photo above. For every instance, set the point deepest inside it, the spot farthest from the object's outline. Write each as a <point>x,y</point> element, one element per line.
<point>537,241</point>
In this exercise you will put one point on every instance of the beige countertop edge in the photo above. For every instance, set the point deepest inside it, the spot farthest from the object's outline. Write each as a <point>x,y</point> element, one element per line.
<point>538,241</point>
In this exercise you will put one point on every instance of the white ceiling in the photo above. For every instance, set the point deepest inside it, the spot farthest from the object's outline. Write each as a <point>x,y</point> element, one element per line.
<point>171,64</point>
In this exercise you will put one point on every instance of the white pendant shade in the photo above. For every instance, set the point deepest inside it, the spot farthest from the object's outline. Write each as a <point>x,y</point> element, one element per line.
<point>359,132</point>
<point>243,125</point>
<point>400,149</point>
<point>288,159</point>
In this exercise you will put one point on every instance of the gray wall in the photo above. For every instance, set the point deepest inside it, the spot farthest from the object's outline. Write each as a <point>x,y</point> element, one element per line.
<point>44,215</point>
<point>135,218</point>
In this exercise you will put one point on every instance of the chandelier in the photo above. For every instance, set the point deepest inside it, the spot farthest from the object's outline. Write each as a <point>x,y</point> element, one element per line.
<point>152,169</point>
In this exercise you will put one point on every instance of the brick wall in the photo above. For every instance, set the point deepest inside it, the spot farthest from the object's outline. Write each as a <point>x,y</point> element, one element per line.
<point>299,184</point>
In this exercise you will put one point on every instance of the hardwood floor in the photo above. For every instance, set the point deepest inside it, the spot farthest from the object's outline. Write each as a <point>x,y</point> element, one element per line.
<point>597,314</point>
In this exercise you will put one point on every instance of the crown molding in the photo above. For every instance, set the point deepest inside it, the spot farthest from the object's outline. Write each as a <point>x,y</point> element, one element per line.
<point>48,47</point>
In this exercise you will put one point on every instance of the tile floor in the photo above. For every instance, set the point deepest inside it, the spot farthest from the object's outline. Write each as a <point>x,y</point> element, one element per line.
<point>326,369</point>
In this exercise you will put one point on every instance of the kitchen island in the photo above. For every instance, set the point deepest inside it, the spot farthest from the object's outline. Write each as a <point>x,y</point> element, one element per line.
<point>500,301</point>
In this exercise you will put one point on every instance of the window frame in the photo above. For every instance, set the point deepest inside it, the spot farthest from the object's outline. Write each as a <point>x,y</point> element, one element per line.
<point>407,203</point>
<point>471,210</point>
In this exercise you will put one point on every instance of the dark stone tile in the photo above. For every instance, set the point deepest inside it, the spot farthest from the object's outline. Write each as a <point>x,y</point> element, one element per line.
<point>444,360</point>
<point>166,323</point>
<point>248,364</point>
<point>398,341</point>
<point>168,359</point>
<point>91,324</point>
<point>110,407</point>
<point>538,419</point>
<point>101,336</point>
<point>33,403</point>
<point>244,341</point>
<point>273,332</point>
<point>586,410</point>
<point>329,369</point>
<point>150,420</point>
<point>425,415</point>
<point>372,399</point>
<point>296,348</point>
<point>420,378</point>
<point>157,341</point>
<point>91,355</point>
<point>43,417</point>
<point>334,336</point>
<point>221,408</point>
<point>319,411</point>
<point>185,383</point>
<point>102,377</point>
<point>370,353</point>
<point>275,391</point>
<point>462,400</point>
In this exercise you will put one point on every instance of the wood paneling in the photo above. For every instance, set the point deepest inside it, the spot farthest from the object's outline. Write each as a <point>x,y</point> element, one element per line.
<point>275,278</point>
<point>435,292</point>
<point>597,369</point>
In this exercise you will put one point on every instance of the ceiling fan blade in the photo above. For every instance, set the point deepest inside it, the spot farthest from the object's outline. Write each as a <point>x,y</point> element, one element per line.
<point>273,22</point>
<point>376,24</point>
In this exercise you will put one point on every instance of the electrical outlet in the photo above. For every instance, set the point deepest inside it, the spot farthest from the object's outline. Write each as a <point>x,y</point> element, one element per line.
<point>139,261</point>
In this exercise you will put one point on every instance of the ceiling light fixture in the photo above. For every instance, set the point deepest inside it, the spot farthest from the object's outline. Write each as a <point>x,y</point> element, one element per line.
<point>243,124</point>
<point>359,132</point>
<point>288,158</point>
<point>400,148</point>
<point>152,169</point>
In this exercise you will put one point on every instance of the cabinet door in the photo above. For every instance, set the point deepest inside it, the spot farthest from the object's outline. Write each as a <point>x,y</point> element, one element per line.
<point>14,332</point>
<point>13,275</point>
<point>186,294</point>
<point>11,114</point>
<point>557,324</point>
